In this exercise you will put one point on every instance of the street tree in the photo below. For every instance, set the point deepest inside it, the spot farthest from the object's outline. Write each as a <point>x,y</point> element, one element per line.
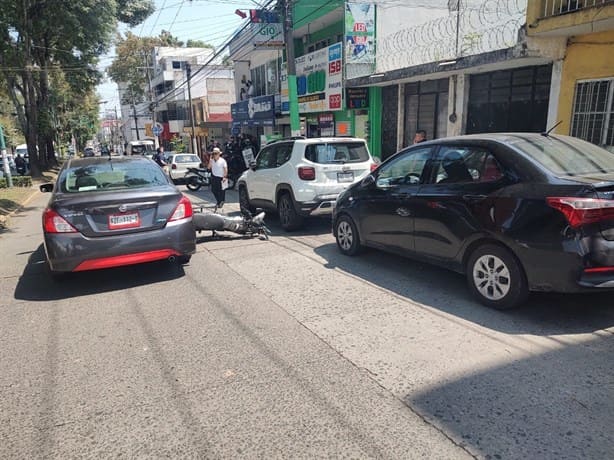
<point>41,37</point>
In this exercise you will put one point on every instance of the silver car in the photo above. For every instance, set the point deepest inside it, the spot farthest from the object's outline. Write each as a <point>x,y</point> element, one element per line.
<point>178,164</point>
<point>113,211</point>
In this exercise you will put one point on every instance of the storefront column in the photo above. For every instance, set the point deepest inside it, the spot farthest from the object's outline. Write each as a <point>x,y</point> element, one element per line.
<point>375,121</point>
<point>458,95</point>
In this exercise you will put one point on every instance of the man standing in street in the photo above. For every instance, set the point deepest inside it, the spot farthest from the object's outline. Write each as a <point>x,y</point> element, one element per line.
<point>219,174</point>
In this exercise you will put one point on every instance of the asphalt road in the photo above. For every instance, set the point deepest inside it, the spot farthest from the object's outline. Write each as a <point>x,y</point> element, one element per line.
<point>284,348</point>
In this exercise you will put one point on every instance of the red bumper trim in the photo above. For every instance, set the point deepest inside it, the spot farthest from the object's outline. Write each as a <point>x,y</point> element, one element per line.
<point>126,259</point>
<point>599,270</point>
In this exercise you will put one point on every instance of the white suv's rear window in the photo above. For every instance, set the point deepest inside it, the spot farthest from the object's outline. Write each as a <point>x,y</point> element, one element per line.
<point>337,152</point>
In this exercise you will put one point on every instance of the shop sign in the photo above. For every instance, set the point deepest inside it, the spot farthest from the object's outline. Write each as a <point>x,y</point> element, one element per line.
<point>319,81</point>
<point>256,111</point>
<point>357,98</point>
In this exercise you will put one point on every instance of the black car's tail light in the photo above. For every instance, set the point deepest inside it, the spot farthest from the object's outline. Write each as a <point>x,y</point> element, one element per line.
<point>54,223</point>
<point>183,210</point>
<point>306,173</point>
<point>594,270</point>
<point>583,211</point>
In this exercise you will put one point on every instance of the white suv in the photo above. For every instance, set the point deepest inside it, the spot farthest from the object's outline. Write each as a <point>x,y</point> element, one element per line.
<point>303,177</point>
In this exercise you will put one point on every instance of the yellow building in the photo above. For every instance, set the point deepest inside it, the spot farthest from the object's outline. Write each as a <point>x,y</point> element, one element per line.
<point>582,98</point>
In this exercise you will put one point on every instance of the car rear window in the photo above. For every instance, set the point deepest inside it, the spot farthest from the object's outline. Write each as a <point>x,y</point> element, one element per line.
<point>111,176</point>
<point>337,152</point>
<point>568,156</point>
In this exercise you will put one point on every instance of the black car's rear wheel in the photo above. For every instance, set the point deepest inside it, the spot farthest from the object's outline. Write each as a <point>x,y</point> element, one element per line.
<point>496,277</point>
<point>288,217</point>
<point>193,183</point>
<point>347,237</point>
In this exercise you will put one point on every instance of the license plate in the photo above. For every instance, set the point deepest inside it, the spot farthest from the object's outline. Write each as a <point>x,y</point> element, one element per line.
<point>124,221</point>
<point>345,176</point>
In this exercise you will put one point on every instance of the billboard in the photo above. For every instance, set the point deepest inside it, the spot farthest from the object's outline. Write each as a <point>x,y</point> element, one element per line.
<point>359,33</point>
<point>319,81</point>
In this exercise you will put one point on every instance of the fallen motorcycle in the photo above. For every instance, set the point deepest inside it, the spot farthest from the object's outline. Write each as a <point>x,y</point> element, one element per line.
<point>195,178</point>
<point>245,224</point>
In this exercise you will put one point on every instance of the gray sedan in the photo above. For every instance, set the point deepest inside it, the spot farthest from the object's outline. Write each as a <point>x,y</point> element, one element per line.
<point>113,211</point>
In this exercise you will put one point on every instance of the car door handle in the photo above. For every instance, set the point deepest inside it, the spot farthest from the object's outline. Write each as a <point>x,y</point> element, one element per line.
<point>474,198</point>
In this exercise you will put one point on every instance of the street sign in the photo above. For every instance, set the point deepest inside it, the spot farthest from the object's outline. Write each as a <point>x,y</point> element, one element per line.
<point>157,129</point>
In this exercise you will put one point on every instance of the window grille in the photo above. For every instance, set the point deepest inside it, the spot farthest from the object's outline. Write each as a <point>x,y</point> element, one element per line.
<point>593,112</point>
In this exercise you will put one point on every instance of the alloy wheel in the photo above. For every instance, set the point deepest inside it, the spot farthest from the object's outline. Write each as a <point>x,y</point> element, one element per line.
<point>345,236</point>
<point>491,277</point>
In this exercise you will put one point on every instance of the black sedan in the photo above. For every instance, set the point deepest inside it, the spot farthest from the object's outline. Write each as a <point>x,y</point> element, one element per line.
<point>113,211</point>
<point>514,212</point>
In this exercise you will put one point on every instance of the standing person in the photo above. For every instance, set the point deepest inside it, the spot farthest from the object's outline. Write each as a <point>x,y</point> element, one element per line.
<point>219,172</point>
<point>20,165</point>
<point>420,136</point>
<point>159,157</point>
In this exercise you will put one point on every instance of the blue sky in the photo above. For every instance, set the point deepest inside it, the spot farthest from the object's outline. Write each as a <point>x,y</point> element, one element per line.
<point>212,21</point>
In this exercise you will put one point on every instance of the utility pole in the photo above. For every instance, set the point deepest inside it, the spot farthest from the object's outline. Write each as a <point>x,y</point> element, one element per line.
<point>188,69</point>
<point>295,124</point>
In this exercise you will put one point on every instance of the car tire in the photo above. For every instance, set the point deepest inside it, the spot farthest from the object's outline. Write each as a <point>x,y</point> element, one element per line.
<point>288,217</point>
<point>496,278</point>
<point>244,203</point>
<point>193,184</point>
<point>346,234</point>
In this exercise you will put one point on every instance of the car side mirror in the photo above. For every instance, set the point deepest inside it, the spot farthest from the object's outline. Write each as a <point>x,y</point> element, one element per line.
<point>367,181</point>
<point>46,188</point>
<point>252,165</point>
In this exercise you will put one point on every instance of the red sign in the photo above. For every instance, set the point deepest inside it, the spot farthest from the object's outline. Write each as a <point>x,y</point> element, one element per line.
<point>360,27</point>
<point>334,101</point>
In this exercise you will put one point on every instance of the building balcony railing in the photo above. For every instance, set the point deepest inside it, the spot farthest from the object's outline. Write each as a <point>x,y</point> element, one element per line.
<point>558,7</point>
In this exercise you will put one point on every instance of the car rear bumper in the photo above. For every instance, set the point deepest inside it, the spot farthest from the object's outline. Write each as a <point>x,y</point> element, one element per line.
<point>321,206</point>
<point>68,252</point>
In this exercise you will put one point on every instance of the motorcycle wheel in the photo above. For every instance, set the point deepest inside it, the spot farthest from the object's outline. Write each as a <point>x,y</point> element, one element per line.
<point>193,184</point>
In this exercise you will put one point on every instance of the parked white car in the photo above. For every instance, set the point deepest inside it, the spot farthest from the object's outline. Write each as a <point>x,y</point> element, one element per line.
<point>303,177</point>
<point>178,164</point>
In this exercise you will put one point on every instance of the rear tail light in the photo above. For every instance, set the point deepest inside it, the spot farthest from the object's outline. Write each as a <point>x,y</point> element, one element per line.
<point>599,270</point>
<point>307,173</point>
<point>183,210</point>
<point>374,166</point>
<point>583,211</point>
<point>173,166</point>
<point>54,223</point>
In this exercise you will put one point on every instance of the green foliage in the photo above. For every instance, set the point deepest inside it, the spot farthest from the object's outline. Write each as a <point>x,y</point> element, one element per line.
<point>177,144</point>
<point>48,56</point>
<point>197,44</point>
<point>18,181</point>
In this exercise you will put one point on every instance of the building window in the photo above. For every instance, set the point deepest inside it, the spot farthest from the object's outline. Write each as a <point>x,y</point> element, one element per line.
<point>176,65</point>
<point>514,100</point>
<point>593,112</point>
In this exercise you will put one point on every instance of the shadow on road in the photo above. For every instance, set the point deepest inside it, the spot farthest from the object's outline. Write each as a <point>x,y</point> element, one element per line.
<point>533,408</point>
<point>37,284</point>
<point>543,314</point>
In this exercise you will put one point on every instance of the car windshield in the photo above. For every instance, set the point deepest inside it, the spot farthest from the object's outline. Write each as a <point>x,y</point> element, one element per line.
<point>568,156</point>
<point>111,176</point>
<point>337,152</point>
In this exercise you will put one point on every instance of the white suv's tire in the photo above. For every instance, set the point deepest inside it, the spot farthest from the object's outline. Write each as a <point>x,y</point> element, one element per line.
<point>288,217</point>
<point>244,203</point>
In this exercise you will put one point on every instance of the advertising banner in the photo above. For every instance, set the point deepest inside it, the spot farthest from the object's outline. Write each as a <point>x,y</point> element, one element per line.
<point>319,81</point>
<point>359,33</point>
